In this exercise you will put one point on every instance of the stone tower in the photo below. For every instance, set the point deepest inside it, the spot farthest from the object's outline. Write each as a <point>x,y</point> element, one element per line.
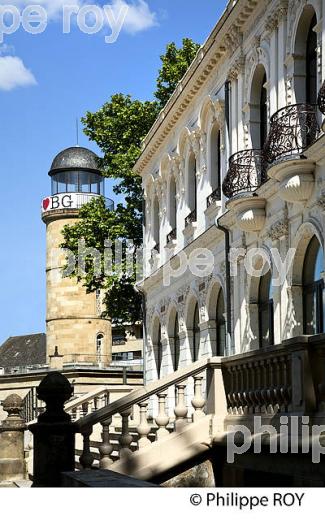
<point>73,322</point>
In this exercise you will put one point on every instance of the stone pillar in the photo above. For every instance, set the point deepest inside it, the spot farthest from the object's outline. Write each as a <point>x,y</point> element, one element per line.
<point>12,456</point>
<point>240,100</point>
<point>282,38</point>
<point>54,433</point>
<point>274,69</point>
<point>234,113</point>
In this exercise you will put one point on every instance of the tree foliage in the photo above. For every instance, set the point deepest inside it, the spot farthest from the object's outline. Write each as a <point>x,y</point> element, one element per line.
<point>175,63</point>
<point>118,128</point>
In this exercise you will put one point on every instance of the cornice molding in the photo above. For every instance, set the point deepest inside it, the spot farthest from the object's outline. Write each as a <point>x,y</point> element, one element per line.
<point>224,40</point>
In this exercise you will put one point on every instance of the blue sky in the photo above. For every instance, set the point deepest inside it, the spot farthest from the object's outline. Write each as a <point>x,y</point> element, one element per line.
<point>46,81</point>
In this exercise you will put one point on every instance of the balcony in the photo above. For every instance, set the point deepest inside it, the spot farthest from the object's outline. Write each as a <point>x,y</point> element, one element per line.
<point>292,130</point>
<point>246,173</point>
<point>70,202</point>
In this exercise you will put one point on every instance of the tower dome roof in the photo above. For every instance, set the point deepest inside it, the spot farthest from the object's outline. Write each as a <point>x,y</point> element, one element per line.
<point>75,158</point>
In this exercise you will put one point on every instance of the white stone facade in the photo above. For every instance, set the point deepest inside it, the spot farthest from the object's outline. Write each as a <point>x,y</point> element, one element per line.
<point>254,63</point>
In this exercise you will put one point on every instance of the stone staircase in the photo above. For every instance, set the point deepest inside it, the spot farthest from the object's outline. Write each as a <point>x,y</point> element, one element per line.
<point>124,437</point>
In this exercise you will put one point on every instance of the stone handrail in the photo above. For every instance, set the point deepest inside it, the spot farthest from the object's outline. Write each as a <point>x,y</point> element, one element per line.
<point>145,392</point>
<point>124,406</point>
<point>88,402</point>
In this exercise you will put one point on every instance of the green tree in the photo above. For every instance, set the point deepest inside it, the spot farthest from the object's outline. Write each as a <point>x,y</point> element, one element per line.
<point>175,63</point>
<point>118,128</point>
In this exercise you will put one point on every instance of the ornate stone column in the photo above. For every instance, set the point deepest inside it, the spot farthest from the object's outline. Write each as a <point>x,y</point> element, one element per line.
<point>282,39</point>
<point>12,456</point>
<point>272,27</point>
<point>232,76</point>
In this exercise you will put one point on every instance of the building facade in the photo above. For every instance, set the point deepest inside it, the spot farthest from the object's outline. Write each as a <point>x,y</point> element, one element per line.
<point>233,172</point>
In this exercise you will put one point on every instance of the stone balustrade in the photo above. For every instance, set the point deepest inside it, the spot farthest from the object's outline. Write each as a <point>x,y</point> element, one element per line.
<point>210,394</point>
<point>88,403</point>
<point>149,429</point>
<point>284,379</point>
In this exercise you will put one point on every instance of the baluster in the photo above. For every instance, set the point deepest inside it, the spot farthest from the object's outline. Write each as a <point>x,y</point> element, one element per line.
<point>269,387</point>
<point>86,458</point>
<point>105,399</point>
<point>230,380</point>
<point>243,389</point>
<point>85,409</point>
<point>258,391</point>
<point>240,390</point>
<point>251,387</point>
<point>236,387</point>
<point>162,418</point>
<point>181,408</point>
<point>126,438</point>
<point>277,394</point>
<point>105,449</point>
<point>198,401</point>
<point>144,428</point>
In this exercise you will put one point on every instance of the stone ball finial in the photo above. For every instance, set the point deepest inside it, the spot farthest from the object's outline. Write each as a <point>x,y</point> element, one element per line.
<point>54,384</point>
<point>54,390</point>
<point>13,404</point>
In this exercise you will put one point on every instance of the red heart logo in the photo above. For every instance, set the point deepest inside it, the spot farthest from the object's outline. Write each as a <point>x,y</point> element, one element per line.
<point>46,203</point>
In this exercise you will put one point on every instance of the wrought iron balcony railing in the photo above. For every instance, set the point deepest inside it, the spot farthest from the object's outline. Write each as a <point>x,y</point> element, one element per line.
<point>293,129</point>
<point>172,236</point>
<point>321,99</point>
<point>190,218</point>
<point>245,174</point>
<point>214,196</point>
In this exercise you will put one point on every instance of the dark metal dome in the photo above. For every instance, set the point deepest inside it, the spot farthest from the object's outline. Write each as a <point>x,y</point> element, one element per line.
<point>75,158</point>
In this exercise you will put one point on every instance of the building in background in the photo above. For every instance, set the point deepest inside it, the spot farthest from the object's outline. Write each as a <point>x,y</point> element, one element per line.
<point>74,322</point>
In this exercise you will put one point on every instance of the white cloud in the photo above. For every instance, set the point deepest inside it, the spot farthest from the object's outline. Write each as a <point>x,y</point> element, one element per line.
<point>139,16</point>
<point>13,73</point>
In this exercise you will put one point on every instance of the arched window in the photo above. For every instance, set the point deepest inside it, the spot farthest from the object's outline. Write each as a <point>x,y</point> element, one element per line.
<point>196,333</point>
<point>305,57</point>
<point>175,352</point>
<point>192,187</point>
<point>215,144</point>
<point>266,310</point>
<point>258,108</point>
<point>172,204</point>
<point>156,224</point>
<point>99,347</point>
<point>313,289</point>
<point>221,325</point>
<point>311,63</point>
